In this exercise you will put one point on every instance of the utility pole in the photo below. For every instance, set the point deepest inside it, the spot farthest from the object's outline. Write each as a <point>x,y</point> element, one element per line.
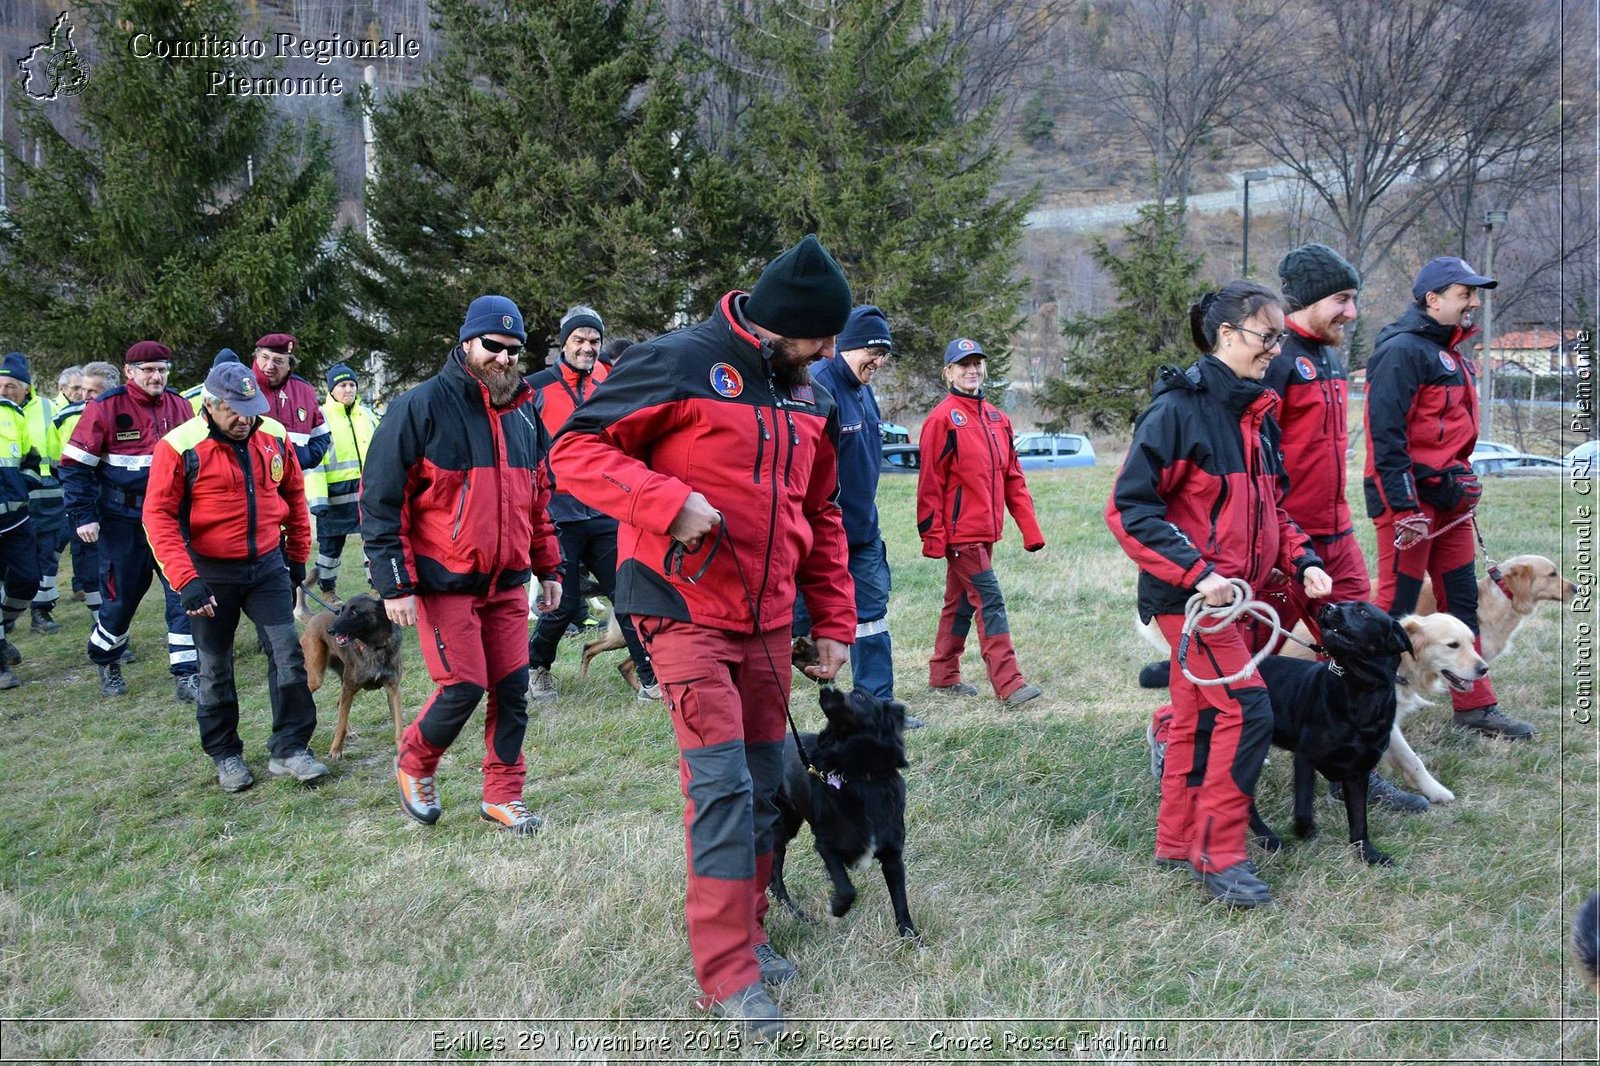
<point>1249,176</point>
<point>1486,386</point>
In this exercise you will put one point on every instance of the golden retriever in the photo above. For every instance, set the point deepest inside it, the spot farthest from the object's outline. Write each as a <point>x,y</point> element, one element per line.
<point>1525,582</point>
<point>1442,658</point>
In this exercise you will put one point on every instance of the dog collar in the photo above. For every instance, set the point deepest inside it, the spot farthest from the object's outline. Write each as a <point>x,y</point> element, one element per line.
<point>1499,579</point>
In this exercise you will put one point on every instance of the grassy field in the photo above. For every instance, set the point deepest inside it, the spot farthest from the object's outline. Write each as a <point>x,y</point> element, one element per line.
<point>144,914</point>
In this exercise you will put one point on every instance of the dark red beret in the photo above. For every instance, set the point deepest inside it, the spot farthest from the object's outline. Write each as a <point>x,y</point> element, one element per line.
<point>147,352</point>
<point>277,342</point>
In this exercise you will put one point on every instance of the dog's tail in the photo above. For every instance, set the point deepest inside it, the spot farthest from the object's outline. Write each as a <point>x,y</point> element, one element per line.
<point>1586,939</point>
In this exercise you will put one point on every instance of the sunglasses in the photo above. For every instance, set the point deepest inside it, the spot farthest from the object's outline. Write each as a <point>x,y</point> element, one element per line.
<point>495,347</point>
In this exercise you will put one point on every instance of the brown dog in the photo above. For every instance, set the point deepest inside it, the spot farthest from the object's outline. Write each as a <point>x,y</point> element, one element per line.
<point>364,646</point>
<point>1525,582</point>
<point>610,640</point>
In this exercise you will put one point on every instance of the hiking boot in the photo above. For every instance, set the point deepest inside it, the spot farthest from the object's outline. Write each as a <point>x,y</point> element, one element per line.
<point>960,688</point>
<point>301,765</point>
<point>753,1011</point>
<point>513,817</point>
<point>8,680</point>
<point>1381,793</point>
<point>1492,722</point>
<point>775,969</point>
<point>648,693</point>
<point>9,655</point>
<point>187,688</point>
<point>418,798</point>
<point>541,686</point>
<point>1158,752</point>
<point>111,683</point>
<point>232,774</point>
<point>330,599</point>
<point>127,655</point>
<point>1155,675</point>
<point>1237,886</point>
<point>42,622</point>
<point>1023,695</point>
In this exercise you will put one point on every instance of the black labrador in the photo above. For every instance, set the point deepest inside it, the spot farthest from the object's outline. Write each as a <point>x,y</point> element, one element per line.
<point>1336,716</point>
<point>855,803</point>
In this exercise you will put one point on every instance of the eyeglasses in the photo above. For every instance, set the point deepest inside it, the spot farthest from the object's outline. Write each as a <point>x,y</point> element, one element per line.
<point>1270,340</point>
<point>495,347</point>
<point>151,368</point>
<point>877,355</point>
<point>267,360</point>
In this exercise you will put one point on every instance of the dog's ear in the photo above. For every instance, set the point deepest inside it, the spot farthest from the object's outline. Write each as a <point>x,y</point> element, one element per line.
<point>1412,626</point>
<point>1401,639</point>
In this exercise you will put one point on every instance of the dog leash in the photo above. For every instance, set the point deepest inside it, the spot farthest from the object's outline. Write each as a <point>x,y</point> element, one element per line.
<point>1413,528</point>
<point>319,601</point>
<point>1200,617</point>
<point>1494,572</point>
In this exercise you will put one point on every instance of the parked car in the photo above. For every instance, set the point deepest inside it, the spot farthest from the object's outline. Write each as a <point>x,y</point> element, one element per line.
<point>1519,464</point>
<point>894,434</point>
<point>1053,451</point>
<point>1586,455</point>
<point>1485,448</point>
<point>901,458</point>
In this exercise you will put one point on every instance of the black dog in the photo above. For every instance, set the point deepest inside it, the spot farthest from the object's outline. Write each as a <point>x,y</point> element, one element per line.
<point>1336,716</point>
<point>856,807</point>
<point>364,646</point>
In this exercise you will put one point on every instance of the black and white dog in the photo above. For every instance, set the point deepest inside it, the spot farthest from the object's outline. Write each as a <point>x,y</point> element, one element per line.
<point>1336,716</point>
<point>855,803</point>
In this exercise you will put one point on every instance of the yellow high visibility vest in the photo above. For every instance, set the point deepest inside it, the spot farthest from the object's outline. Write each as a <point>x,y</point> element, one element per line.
<point>337,479</point>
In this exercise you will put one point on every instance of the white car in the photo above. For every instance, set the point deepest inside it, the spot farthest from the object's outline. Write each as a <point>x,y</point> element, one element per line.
<point>1519,464</point>
<point>1486,448</point>
<point>1582,460</point>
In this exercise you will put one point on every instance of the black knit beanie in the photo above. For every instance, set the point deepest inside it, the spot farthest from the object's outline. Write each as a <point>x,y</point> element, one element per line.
<point>1313,272</point>
<point>580,317</point>
<point>802,293</point>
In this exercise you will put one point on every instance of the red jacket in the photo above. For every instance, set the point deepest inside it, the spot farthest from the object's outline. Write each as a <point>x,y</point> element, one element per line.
<point>105,465</point>
<point>224,499</point>
<point>970,477</point>
<point>697,410</point>
<point>454,496</point>
<point>1311,385</point>
<point>557,391</point>
<point>1201,489</point>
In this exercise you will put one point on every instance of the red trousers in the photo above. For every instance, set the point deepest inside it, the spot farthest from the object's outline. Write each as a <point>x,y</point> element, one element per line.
<point>726,692</point>
<point>1450,562</point>
<point>970,580</point>
<point>1217,738</point>
<point>474,645</point>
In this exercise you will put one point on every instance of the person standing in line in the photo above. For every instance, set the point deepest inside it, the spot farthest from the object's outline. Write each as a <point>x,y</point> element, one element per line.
<point>716,453</point>
<point>95,379</point>
<point>45,505</point>
<point>69,387</point>
<point>968,479</point>
<point>225,495</point>
<point>19,563</point>
<point>105,469</point>
<point>293,398</point>
<point>455,520</point>
<point>333,488</point>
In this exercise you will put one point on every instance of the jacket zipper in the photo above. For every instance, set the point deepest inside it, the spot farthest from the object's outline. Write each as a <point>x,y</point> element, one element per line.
<point>955,509</point>
<point>761,424</point>
<point>794,442</point>
<point>461,508</point>
<point>242,453</point>
<point>772,514</point>
<point>1216,510</point>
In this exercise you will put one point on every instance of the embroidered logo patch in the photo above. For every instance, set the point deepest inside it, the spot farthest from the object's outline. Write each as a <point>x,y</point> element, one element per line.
<point>803,393</point>
<point>965,345</point>
<point>1447,362</point>
<point>276,468</point>
<point>505,320</point>
<point>726,380</point>
<point>1307,369</point>
<point>300,413</point>
<point>992,415</point>
<point>958,418</point>
<point>247,387</point>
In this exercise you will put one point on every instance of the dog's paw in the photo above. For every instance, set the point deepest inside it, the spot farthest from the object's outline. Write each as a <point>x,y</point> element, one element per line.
<point>1438,794</point>
<point>1269,841</point>
<point>1305,828</point>
<point>909,934</point>
<point>1373,857</point>
<point>841,904</point>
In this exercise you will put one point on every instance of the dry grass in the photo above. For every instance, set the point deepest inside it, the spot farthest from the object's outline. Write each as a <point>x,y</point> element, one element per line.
<point>288,922</point>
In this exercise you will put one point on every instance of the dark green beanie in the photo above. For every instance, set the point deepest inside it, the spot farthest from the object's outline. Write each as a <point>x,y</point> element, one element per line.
<point>802,293</point>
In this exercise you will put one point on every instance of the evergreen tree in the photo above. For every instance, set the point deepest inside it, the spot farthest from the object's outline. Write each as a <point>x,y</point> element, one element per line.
<point>547,156</point>
<point>855,133</point>
<point>147,223</point>
<point>1113,358</point>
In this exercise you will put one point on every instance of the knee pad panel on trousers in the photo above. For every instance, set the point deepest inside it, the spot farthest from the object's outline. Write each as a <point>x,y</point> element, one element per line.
<point>287,654</point>
<point>994,604</point>
<point>441,722</point>
<point>1461,593</point>
<point>723,826</point>
<point>961,624</point>
<point>765,761</point>
<point>511,714</point>
<point>1255,736</point>
<point>1407,590</point>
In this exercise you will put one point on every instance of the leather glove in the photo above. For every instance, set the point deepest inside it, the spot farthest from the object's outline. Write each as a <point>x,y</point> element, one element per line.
<point>297,574</point>
<point>194,595</point>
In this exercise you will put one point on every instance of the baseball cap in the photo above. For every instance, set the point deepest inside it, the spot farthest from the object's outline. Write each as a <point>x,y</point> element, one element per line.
<point>962,348</point>
<point>235,385</point>
<point>1445,271</point>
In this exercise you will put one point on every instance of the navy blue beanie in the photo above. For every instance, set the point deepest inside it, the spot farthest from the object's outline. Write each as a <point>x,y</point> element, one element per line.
<point>15,365</point>
<point>492,314</point>
<point>801,294</point>
<point>868,327</point>
<point>340,372</point>
<point>225,355</point>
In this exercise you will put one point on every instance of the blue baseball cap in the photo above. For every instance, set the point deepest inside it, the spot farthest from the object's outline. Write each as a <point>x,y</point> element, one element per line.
<point>235,385</point>
<point>962,348</point>
<point>1445,271</point>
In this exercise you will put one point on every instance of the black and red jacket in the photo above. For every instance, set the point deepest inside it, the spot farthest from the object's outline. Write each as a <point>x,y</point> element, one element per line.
<point>220,498</point>
<point>699,411</point>
<point>557,392</point>
<point>1422,409</point>
<point>1313,400</point>
<point>1201,489</point>
<point>454,496</point>
<point>969,477</point>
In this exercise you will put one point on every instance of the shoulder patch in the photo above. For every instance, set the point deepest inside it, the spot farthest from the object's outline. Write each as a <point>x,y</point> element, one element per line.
<point>957,417</point>
<point>726,380</point>
<point>1446,361</point>
<point>1306,368</point>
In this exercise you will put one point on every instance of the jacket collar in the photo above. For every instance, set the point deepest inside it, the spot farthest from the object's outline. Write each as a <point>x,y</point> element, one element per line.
<point>1235,393</point>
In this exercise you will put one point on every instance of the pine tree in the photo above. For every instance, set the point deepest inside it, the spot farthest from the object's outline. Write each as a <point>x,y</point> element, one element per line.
<point>1113,358</point>
<point>548,156</point>
<point>200,221</point>
<point>855,133</point>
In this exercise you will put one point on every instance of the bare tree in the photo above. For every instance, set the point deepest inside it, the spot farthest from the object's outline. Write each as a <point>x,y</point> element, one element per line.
<point>1178,71</point>
<point>1387,106</point>
<point>1001,44</point>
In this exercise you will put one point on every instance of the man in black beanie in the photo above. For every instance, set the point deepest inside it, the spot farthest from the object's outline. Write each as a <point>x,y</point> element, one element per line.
<point>1319,293</point>
<point>717,454</point>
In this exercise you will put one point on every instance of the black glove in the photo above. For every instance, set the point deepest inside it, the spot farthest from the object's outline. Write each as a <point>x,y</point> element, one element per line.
<point>194,595</point>
<point>297,574</point>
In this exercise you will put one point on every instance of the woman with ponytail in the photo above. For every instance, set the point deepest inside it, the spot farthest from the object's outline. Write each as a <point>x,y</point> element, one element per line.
<point>1199,501</point>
